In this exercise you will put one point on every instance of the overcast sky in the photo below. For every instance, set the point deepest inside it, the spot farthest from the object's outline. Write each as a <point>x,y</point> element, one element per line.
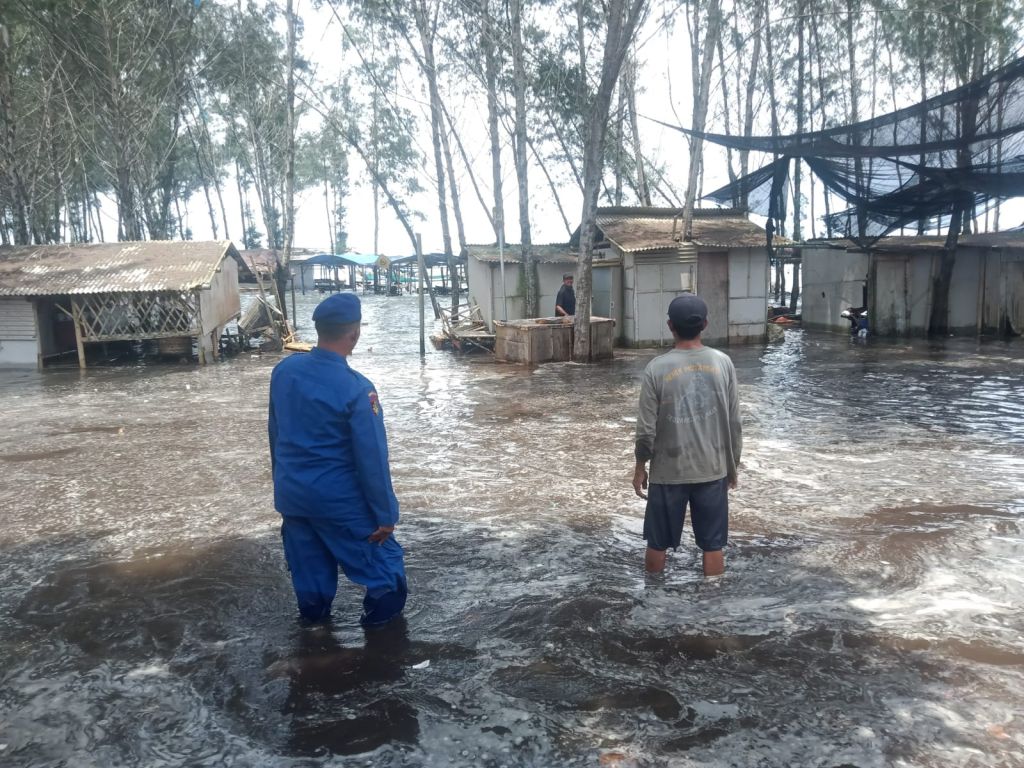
<point>321,44</point>
<point>664,94</point>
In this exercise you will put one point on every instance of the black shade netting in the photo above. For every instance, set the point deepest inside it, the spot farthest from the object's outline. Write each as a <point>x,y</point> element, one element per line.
<point>955,153</point>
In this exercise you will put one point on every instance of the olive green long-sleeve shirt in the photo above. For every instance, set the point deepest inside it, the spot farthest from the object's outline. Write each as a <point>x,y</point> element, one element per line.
<point>688,424</point>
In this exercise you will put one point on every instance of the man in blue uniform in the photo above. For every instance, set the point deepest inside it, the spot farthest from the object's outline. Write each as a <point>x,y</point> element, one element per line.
<point>332,483</point>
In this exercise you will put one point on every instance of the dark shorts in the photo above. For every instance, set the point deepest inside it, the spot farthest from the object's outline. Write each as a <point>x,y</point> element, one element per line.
<point>709,514</point>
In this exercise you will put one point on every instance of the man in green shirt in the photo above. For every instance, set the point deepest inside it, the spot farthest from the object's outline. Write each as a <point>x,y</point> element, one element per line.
<point>688,428</point>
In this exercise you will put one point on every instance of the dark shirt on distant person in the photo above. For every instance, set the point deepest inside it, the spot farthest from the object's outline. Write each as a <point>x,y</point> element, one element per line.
<point>566,299</point>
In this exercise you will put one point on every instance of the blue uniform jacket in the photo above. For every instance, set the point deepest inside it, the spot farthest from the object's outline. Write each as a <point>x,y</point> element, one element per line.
<point>328,447</point>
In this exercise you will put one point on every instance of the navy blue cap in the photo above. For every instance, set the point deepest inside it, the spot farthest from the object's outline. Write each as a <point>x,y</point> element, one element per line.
<point>687,311</point>
<point>339,309</point>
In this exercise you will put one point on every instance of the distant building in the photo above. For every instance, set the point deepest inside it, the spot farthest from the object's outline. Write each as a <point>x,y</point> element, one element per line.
<point>260,263</point>
<point>640,264</point>
<point>894,280</point>
<point>485,286</point>
<point>59,303</point>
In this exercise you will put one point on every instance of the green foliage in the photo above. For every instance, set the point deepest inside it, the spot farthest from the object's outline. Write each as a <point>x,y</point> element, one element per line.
<point>148,102</point>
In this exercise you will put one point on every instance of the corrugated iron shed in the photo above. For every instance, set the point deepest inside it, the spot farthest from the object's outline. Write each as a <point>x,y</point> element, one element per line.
<point>92,268</point>
<point>554,253</point>
<point>639,230</point>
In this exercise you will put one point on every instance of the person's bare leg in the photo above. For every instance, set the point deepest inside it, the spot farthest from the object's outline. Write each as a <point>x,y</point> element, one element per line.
<point>654,560</point>
<point>714,563</point>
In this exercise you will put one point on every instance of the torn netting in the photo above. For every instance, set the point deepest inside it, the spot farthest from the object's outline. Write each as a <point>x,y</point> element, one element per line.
<point>958,151</point>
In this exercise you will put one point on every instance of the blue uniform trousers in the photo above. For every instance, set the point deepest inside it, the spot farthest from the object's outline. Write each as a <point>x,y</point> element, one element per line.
<point>314,548</point>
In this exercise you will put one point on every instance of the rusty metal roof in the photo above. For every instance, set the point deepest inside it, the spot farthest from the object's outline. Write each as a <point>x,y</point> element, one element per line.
<point>85,268</point>
<point>553,253</point>
<point>639,230</point>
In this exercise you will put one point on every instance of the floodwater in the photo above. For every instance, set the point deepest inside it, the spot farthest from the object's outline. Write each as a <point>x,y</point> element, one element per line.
<point>871,613</point>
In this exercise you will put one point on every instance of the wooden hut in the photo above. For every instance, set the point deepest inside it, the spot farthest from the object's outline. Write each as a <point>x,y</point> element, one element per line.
<point>648,263</point>
<point>63,302</point>
<point>507,301</point>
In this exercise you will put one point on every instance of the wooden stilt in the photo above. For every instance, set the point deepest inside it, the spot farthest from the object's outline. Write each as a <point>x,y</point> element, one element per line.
<point>79,342</point>
<point>200,335</point>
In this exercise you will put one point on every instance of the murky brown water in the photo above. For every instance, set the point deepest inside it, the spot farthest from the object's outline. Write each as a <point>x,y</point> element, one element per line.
<point>871,614</point>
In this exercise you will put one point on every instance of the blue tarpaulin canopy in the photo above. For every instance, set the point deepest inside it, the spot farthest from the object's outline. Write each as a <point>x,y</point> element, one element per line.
<point>363,259</point>
<point>326,260</point>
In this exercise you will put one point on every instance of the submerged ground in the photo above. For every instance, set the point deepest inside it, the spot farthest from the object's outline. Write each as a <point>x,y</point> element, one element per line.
<point>871,614</point>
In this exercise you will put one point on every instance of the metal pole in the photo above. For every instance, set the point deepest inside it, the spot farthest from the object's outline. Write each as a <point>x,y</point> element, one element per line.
<point>295,323</point>
<point>423,319</point>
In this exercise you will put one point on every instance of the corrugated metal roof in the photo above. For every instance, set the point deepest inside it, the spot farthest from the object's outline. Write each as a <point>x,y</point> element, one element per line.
<point>904,243</point>
<point>1011,239</point>
<point>639,230</point>
<point>85,268</point>
<point>553,253</point>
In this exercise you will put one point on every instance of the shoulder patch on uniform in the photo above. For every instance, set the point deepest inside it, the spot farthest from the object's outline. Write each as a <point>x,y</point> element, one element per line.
<point>374,403</point>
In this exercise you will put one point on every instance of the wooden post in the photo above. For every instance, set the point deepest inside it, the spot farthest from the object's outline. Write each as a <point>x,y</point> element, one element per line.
<point>79,341</point>
<point>200,335</point>
<point>423,321</point>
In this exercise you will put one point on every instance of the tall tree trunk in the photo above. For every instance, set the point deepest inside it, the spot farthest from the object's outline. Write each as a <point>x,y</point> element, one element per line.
<point>426,31</point>
<point>284,267</point>
<point>700,110</point>
<point>822,106</point>
<point>529,268</point>
<point>99,217</point>
<point>241,207</point>
<point>623,17</point>
<point>797,163</point>
<point>327,206</point>
<point>460,229</point>
<point>723,84</point>
<point>15,183</point>
<point>962,214</point>
<point>773,105</point>
<point>751,87</point>
<point>204,175</point>
<point>491,71</point>
<point>851,55</point>
<point>922,84</point>
<point>207,145</point>
<point>642,187</point>
<point>617,137</point>
<point>567,151</point>
<point>467,164</point>
<point>381,183</point>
